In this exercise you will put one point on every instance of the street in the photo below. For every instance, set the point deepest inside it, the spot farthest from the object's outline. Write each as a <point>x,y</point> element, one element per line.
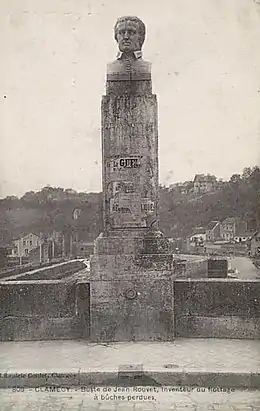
<point>245,267</point>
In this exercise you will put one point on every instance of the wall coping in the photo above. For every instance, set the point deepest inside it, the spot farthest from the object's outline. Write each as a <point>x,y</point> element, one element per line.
<point>21,282</point>
<point>217,280</point>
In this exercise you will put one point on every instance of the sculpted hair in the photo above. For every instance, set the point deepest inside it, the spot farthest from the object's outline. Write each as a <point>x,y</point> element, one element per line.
<point>136,20</point>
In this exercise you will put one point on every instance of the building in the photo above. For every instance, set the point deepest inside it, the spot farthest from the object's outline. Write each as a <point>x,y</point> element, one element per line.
<point>228,229</point>
<point>255,244</point>
<point>23,245</point>
<point>231,228</point>
<point>195,243</point>
<point>196,239</point>
<point>204,183</point>
<point>182,188</point>
<point>213,231</point>
<point>243,237</point>
<point>49,249</point>
<point>41,254</point>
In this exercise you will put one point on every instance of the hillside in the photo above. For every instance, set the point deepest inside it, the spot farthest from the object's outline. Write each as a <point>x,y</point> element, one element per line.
<point>53,208</point>
<point>239,197</point>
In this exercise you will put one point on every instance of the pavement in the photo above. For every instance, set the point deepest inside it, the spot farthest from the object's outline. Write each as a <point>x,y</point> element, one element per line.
<point>187,374</point>
<point>201,362</point>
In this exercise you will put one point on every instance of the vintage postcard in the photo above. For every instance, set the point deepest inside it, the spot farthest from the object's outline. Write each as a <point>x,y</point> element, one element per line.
<point>130,205</point>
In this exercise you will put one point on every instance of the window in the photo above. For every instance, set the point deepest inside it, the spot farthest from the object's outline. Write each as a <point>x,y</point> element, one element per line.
<point>24,242</point>
<point>30,242</point>
<point>26,251</point>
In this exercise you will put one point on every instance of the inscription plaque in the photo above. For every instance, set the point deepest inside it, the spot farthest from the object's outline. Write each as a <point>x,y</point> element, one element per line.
<point>121,163</point>
<point>125,210</point>
<point>129,162</point>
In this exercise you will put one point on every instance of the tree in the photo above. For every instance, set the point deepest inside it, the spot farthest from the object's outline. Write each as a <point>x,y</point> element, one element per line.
<point>235,179</point>
<point>246,173</point>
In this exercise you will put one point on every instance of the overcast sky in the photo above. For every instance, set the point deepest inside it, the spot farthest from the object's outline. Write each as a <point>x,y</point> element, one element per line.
<point>205,56</point>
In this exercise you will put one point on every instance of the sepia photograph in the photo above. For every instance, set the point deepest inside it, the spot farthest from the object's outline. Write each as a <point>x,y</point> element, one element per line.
<point>130,205</point>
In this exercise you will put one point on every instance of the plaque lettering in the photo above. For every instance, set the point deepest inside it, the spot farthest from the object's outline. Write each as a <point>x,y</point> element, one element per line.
<point>124,163</point>
<point>148,207</point>
<point>129,162</point>
<point>129,188</point>
<point>118,209</point>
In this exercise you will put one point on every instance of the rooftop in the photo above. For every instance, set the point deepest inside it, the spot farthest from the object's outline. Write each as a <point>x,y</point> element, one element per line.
<point>229,220</point>
<point>212,224</point>
<point>204,178</point>
<point>22,235</point>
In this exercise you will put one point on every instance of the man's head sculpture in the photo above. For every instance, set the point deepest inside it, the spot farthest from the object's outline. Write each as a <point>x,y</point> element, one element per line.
<point>129,33</point>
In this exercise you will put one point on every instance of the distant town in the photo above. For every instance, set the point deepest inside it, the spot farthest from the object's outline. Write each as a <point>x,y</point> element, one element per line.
<point>204,216</point>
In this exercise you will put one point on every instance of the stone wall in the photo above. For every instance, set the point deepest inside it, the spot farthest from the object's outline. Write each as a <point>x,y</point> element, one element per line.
<point>196,268</point>
<point>19,269</point>
<point>217,267</point>
<point>218,308</point>
<point>42,310</point>
<point>46,271</point>
<point>194,308</point>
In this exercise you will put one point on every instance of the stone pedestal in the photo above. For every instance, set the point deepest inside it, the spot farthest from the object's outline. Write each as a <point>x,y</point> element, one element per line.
<point>132,309</point>
<point>131,288</point>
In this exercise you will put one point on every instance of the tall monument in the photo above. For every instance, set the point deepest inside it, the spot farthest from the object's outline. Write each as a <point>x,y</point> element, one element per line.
<point>131,270</point>
<point>129,135</point>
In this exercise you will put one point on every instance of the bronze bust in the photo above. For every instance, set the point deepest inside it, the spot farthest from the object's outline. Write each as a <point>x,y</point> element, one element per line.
<point>129,32</point>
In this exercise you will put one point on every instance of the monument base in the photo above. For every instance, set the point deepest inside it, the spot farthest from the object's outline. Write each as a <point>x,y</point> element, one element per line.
<point>131,288</point>
<point>132,310</point>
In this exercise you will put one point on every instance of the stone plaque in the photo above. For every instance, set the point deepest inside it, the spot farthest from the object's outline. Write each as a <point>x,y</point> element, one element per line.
<point>122,163</point>
<point>125,210</point>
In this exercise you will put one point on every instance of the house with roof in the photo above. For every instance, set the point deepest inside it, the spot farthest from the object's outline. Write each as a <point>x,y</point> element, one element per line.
<point>198,237</point>
<point>23,245</point>
<point>204,183</point>
<point>213,231</point>
<point>195,240</point>
<point>182,188</point>
<point>233,227</point>
<point>228,229</point>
